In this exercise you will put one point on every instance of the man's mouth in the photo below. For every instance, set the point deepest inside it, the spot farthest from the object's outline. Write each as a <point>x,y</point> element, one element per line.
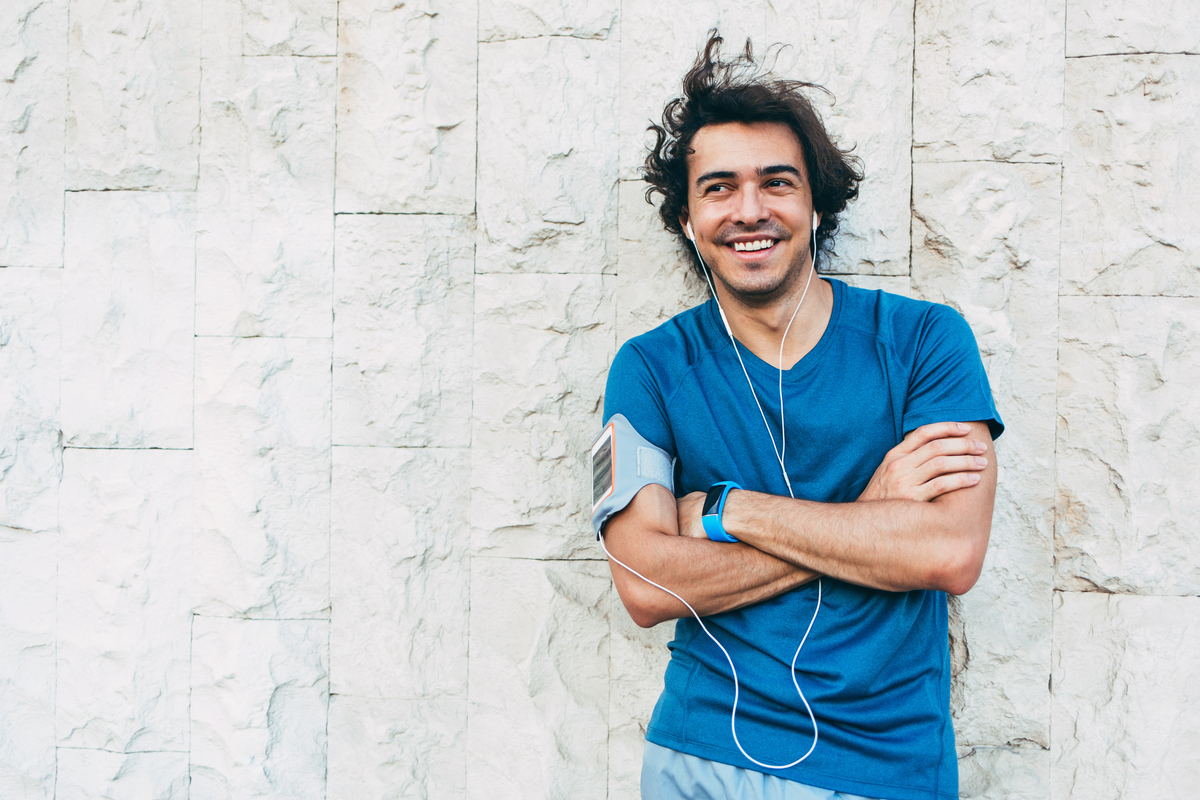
<point>749,247</point>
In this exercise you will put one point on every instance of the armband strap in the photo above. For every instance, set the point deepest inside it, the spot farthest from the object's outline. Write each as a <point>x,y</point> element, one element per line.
<point>622,463</point>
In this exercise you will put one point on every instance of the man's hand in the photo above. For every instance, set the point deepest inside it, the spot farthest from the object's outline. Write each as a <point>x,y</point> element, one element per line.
<point>932,461</point>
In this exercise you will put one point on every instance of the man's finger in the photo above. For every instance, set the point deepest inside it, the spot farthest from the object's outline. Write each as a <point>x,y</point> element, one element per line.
<point>933,431</point>
<point>948,465</point>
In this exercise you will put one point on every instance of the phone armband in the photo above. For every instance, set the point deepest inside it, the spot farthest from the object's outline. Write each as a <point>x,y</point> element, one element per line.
<point>622,463</point>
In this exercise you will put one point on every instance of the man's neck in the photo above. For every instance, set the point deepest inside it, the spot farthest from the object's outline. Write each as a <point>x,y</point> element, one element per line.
<point>760,328</point>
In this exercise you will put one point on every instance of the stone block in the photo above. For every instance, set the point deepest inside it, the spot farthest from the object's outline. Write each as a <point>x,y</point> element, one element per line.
<point>1004,773</point>
<point>986,242</point>
<point>90,774</point>
<point>264,261</point>
<point>406,106</point>
<point>33,106</point>
<point>655,278</point>
<point>262,477</point>
<point>873,112</point>
<point>547,168</point>
<point>1110,27</point>
<point>977,63</point>
<point>260,703</point>
<point>1126,711</point>
<point>30,441</point>
<point>399,575</point>
<point>1127,417</point>
<point>289,27</point>
<point>27,611</point>
<point>134,113</point>
<point>222,30</point>
<point>1130,177</point>
<point>124,617</point>
<point>128,304</point>
<point>393,748</point>
<point>538,696</point>
<point>402,331</point>
<point>542,348</point>
<point>638,659</point>
<point>528,19</point>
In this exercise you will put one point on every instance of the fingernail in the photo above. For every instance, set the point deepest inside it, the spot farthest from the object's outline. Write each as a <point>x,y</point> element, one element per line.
<point>963,428</point>
<point>981,446</point>
<point>981,461</point>
<point>973,477</point>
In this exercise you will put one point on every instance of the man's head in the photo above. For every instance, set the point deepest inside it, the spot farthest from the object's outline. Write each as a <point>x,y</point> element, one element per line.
<point>722,99</point>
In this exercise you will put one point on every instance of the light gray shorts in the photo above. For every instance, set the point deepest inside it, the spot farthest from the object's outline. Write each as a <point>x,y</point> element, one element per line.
<point>670,775</point>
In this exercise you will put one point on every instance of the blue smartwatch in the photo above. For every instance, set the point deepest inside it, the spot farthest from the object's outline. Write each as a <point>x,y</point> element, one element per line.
<point>714,507</point>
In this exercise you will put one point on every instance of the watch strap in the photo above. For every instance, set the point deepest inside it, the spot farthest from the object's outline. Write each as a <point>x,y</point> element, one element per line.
<point>714,505</point>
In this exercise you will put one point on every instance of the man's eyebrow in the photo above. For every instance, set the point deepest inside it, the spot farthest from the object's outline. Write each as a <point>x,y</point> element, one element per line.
<point>712,176</point>
<point>776,169</point>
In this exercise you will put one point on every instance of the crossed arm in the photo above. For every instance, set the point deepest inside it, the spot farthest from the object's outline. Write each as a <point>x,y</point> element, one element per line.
<point>923,522</point>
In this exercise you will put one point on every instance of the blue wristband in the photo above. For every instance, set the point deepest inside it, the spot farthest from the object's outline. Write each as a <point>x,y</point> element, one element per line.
<point>714,508</point>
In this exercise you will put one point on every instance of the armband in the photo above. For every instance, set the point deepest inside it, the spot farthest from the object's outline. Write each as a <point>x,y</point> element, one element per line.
<point>622,463</point>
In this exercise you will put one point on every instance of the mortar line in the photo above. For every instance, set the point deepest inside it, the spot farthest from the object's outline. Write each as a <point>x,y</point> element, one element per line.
<point>333,250</point>
<point>912,139</point>
<point>1137,53</point>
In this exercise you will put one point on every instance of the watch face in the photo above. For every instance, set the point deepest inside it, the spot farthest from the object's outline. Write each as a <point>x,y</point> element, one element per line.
<point>712,500</point>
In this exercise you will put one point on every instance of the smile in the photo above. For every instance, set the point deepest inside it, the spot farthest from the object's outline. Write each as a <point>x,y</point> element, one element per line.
<point>760,244</point>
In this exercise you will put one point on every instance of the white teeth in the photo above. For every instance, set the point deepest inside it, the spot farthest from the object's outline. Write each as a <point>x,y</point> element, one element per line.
<point>761,244</point>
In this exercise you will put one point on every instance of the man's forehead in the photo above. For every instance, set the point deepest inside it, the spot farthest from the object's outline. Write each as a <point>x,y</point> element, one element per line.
<point>730,148</point>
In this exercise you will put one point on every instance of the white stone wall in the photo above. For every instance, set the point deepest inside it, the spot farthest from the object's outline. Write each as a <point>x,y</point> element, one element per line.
<point>305,313</point>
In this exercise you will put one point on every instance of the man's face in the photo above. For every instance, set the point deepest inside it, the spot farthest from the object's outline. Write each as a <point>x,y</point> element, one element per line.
<point>750,207</point>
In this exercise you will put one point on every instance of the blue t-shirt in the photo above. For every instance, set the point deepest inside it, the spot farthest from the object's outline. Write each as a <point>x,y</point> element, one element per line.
<point>876,667</point>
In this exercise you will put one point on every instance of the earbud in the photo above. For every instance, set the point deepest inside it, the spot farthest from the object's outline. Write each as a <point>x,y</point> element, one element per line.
<point>687,226</point>
<point>816,222</point>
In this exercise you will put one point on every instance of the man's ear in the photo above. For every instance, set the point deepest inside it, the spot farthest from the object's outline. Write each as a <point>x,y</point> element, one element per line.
<point>687,226</point>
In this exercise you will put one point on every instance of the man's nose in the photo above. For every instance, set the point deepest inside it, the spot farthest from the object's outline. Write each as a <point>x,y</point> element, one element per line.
<point>751,208</point>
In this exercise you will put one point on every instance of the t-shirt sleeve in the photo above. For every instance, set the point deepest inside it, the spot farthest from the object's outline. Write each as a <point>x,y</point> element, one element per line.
<point>633,391</point>
<point>947,381</point>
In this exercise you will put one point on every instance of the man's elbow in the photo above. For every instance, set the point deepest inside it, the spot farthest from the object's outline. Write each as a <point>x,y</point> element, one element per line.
<point>645,608</point>
<point>960,562</point>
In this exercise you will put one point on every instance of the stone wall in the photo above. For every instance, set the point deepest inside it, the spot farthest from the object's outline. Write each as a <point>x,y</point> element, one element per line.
<point>305,314</point>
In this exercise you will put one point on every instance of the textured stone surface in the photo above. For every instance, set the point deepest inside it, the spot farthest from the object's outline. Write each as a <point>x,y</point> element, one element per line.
<point>406,106</point>
<point>124,617</point>
<point>264,261</point>
<point>1004,773</point>
<point>527,19</point>
<point>130,298</point>
<point>399,575</point>
<point>896,284</point>
<point>655,280</point>
<point>392,748</point>
<point>91,774</point>
<point>134,77</point>
<point>1097,27</point>
<point>33,105</point>
<point>262,477</point>
<point>637,661</point>
<point>986,242</point>
<point>872,112</point>
<point>1126,679</point>
<point>555,139</point>
<point>1130,177</point>
<point>27,610</point>
<point>30,442</point>
<point>538,712</point>
<point>289,27</point>
<point>1128,411</point>
<point>402,332</point>
<point>975,64</point>
<point>542,347</point>
<point>260,701</point>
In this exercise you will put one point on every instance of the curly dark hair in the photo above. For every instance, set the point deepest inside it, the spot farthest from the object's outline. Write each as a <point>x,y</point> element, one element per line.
<point>743,90</point>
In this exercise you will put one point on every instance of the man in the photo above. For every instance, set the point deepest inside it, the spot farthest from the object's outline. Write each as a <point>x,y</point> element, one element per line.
<point>855,427</point>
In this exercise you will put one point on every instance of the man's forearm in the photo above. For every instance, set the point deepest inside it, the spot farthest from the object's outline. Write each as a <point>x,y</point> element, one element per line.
<point>711,576</point>
<point>896,545</point>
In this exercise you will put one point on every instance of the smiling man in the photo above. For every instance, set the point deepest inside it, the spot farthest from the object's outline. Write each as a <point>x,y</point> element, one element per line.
<point>807,465</point>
